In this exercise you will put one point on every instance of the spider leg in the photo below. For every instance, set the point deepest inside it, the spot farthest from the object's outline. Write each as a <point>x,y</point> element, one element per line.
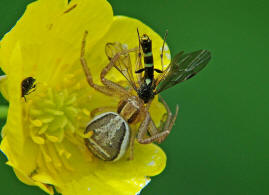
<point>102,89</point>
<point>101,109</point>
<point>153,130</point>
<point>143,130</point>
<point>132,140</point>
<point>110,84</point>
<point>169,121</point>
<point>149,124</point>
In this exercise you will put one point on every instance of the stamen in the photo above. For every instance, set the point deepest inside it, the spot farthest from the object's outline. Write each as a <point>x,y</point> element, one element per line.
<point>47,158</point>
<point>56,160</point>
<point>86,112</point>
<point>43,129</point>
<point>36,123</point>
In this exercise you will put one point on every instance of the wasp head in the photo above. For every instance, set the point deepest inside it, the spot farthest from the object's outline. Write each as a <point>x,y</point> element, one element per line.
<point>145,42</point>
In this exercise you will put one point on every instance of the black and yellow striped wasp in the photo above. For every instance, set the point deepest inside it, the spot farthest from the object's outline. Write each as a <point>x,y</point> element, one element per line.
<point>182,67</point>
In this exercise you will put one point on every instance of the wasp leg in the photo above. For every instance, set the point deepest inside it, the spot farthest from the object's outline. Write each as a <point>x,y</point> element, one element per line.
<point>110,84</point>
<point>87,71</point>
<point>101,109</point>
<point>31,91</point>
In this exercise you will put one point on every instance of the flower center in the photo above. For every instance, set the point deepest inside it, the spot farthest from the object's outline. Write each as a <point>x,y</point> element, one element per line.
<point>56,121</point>
<point>52,115</point>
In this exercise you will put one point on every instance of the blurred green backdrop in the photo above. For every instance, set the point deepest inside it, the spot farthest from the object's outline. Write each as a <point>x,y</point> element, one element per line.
<point>220,143</point>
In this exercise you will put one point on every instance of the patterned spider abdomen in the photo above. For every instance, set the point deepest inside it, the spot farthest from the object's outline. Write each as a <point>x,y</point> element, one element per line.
<point>110,137</point>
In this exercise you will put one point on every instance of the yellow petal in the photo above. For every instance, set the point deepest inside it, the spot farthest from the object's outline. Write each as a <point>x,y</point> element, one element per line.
<point>4,86</point>
<point>38,15</point>
<point>149,160</point>
<point>31,180</point>
<point>19,149</point>
<point>120,178</point>
<point>90,185</point>
<point>47,58</point>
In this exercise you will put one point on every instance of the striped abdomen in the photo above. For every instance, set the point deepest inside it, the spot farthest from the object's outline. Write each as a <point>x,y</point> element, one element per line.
<point>146,45</point>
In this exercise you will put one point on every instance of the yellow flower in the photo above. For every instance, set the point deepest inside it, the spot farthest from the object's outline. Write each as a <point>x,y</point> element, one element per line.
<point>42,138</point>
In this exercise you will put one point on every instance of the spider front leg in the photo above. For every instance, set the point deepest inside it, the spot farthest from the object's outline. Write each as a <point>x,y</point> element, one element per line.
<point>148,123</point>
<point>143,130</point>
<point>131,150</point>
<point>96,111</point>
<point>102,89</point>
<point>169,121</point>
<point>108,83</point>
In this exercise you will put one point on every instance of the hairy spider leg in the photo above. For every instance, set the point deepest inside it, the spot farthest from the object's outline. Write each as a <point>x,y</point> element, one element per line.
<point>161,135</point>
<point>87,71</point>
<point>105,71</point>
<point>131,149</point>
<point>95,111</point>
<point>110,88</point>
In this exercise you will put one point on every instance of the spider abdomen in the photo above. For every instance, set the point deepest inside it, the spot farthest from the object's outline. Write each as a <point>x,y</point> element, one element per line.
<point>110,137</point>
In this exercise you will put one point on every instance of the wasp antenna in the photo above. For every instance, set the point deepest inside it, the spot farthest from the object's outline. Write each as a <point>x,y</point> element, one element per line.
<point>138,38</point>
<point>138,32</point>
<point>166,32</point>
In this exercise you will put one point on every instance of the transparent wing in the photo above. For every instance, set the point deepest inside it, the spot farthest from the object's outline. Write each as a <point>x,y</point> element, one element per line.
<point>123,63</point>
<point>138,65</point>
<point>182,67</point>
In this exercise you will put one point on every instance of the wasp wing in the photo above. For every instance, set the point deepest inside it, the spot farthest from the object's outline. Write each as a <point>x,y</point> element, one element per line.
<point>163,75</point>
<point>123,62</point>
<point>183,67</point>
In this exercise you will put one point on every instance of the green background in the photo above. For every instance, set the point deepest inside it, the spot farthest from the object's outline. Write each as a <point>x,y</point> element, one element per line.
<point>220,143</point>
